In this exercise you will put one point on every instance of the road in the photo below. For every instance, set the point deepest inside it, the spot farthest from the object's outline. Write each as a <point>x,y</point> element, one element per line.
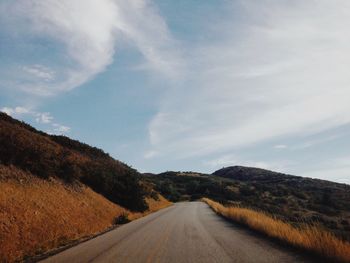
<point>184,232</point>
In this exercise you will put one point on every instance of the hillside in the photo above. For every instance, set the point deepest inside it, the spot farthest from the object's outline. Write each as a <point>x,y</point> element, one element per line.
<point>294,196</point>
<point>294,199</point>
<point>49,156</point>
<point>54,190</point>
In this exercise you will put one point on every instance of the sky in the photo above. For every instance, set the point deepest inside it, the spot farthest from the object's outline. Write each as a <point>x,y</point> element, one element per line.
<point>191,85</point>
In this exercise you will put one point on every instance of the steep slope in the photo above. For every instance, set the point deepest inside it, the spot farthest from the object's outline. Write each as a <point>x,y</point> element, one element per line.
<point>38,214</point>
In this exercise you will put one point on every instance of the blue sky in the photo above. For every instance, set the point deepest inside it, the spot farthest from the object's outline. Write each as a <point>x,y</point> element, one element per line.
<point>185,85</point>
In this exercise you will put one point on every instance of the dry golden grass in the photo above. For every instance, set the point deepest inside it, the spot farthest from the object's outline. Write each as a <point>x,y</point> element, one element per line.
<point>37,215</point>
<point>309,237</point>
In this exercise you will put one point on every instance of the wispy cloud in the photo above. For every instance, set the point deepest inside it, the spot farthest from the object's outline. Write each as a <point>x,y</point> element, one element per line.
<point>142,24</point>
<point>278,71</point>
<point>40,72</point>
<point>60,129</point>
<point>40,117</point>
<point>14,111</point>
<point>82,36</point>
<point>43,117</point>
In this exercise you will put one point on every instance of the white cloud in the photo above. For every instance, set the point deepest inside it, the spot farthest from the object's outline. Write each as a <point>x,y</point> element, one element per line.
<point>40,117</point>
<point>60,129</point>
<point>15,111</point>
<point>279,72</point>
<point>44,117</point>
<point>7,110</point>
<point>40,71</point>
<point>83,37</point>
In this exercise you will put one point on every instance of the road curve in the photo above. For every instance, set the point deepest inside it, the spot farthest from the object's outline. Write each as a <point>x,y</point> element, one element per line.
<point>184,232</point>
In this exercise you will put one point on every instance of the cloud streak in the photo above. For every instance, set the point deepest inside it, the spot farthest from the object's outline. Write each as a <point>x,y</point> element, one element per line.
<point>280,72</point>
<point>82,37</point>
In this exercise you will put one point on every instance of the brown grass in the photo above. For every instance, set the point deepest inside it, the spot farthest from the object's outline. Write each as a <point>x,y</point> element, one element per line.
<point>37,215</point>
<point>309,237</point>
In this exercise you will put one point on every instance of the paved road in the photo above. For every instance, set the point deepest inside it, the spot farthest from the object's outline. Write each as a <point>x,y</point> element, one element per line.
<point>184,232</point>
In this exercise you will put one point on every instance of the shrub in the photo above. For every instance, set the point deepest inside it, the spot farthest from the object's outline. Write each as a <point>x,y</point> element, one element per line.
<point>154,195</point>
<point>121,219</point>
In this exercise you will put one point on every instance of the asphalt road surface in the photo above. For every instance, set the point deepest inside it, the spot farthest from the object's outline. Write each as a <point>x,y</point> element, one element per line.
<point>184,232</point>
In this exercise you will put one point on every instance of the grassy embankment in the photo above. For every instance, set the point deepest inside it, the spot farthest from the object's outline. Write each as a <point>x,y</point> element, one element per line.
<point>309,237</point>
<point>37,215</point>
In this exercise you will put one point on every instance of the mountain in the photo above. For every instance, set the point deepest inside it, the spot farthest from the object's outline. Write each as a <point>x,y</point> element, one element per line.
<point>243,173</point>
<point>324,196</point>
<point>293,198</point>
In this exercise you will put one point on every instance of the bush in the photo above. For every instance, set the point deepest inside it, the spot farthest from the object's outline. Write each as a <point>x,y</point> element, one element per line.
<point>121,219</point>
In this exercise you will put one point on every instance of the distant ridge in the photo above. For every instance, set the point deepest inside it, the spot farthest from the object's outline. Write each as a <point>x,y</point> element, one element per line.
<point>244,173</point>
<point>253,174</point>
